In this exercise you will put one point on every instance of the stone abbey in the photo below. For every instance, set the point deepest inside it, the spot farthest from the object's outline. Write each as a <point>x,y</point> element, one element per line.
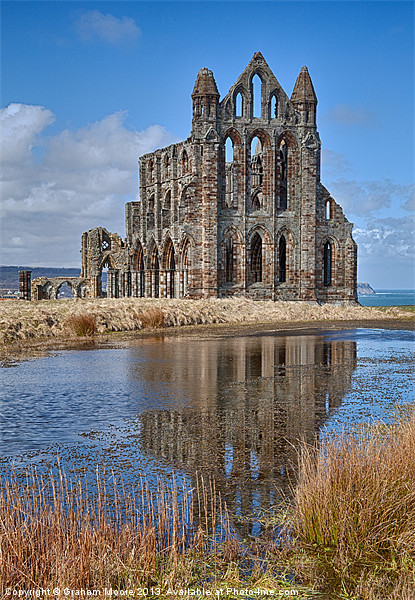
<point>236,209</point>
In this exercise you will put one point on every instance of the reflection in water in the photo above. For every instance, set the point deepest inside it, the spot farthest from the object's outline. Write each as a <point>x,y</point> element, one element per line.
<point>231,408</point>
<point>254,398</point>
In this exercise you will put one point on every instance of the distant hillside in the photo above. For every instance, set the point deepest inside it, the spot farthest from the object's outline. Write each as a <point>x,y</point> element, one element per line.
<point>364,288</point>
<point>9,276</point>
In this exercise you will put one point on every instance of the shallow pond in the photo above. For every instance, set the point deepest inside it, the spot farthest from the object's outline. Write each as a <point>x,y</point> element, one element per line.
<point>232,407</point>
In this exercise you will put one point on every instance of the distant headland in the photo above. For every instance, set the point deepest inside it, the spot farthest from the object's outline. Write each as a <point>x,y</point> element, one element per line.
<point>365,288</point>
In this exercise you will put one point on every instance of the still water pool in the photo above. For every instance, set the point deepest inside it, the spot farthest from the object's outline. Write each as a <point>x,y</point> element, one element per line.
<point>228,406</point>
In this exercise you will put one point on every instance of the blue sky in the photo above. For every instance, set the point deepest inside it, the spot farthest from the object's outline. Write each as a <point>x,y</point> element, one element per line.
<point>89,86</point>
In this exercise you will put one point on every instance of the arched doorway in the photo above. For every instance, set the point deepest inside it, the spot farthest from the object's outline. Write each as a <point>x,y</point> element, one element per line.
<point>170,268</point>
<point>155,273</point>
<point>64,291</point>
<point>185,264</point>
<point>229,261</point>
<point>138,275</point>
<point>108,279</point>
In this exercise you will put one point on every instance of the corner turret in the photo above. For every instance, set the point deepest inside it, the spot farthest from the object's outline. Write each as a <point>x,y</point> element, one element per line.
<point>304,98</point>
<point>205,98</point>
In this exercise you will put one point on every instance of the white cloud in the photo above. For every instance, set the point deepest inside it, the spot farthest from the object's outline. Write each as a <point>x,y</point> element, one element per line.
<point>345,114</point>
<point>363,198</point>
<point>82,180</point>
<point>107,28</point>
<point>386,252</point>
<point>393,237</point>
<point>20,125</point>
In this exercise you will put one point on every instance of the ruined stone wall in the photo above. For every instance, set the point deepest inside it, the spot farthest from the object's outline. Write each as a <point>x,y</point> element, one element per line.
<point>256,224</point>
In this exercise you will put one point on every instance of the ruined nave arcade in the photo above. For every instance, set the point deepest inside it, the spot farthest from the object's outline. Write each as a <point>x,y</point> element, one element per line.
<point>236,209</point>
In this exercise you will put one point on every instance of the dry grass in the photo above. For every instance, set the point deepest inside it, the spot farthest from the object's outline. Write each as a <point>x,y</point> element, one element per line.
<point>353,521</point>
<point>20,321</point>
<point>355,511</point>
<point>56,534</point>
<point>81,325</point>
<point>152,318</point>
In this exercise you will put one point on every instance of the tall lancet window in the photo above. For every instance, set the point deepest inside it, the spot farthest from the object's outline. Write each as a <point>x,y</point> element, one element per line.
<point>327,264</point>
<point>257,174</point>
<point>256,96</point>
<point>282,259</point>
<point>239,105</point>
<point>273,107</point>
<point>229,261</point>
<point>256,258</point>
<point>230,176</point>
<point>283,156</point>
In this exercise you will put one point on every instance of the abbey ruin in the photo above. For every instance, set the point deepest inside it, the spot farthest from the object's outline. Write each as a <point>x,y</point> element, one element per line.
<point>236,209</point>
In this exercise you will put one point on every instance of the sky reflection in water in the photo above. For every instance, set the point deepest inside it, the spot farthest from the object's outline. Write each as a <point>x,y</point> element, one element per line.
<point>231,407</point>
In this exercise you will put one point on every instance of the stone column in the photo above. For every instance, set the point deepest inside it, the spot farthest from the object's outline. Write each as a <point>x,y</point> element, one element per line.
<point>25,278</point>
<point>148,283</point>
<point>112,283</point>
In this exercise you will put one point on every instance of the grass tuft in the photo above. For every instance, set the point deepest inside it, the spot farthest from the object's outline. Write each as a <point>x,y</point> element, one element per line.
<point>152,318</point>
<point>82,325</point>
<point>355,510</point>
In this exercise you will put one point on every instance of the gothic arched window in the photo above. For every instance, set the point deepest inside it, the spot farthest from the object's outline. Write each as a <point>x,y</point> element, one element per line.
<point>229,261</point>
<point>282,259</point>
<point>327,264</point>
<point>185,162</point>
<point>166,166</point>
<point>239,105</point>
<point>283,152</point>
<point>256,96</point>
<point>328,210</point>
<point>229,173</point>
<point>256,258</point>
<point>273,114</point>
<point>167,210</point>
<point>170,266</point>
<point>256,201</point>
<point>150,213</point>
<point>155,274</point>
<point>257,170</point>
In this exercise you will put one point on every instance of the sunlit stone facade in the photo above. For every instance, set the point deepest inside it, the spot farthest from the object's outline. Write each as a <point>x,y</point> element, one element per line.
<point>236,209</point>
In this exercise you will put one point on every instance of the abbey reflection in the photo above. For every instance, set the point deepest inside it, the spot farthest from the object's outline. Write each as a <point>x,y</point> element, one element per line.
<point>253,399</point>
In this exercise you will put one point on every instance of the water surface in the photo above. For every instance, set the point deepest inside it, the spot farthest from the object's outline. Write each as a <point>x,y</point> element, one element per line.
<point>229,407</point>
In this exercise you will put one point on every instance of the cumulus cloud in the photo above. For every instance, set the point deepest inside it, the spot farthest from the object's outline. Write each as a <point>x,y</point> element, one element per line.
<point>20,125</point>
<point>367,197</point>
<point>105,27</point>
<point>386,252</point>
<point>81,180</point>
<point>345,114</point>
<point>389,237</point>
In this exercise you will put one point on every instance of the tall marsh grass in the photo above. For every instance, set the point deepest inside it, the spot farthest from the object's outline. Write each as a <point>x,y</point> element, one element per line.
<point>56,533</point>
<point>352,526</point>
<point>355,510</point>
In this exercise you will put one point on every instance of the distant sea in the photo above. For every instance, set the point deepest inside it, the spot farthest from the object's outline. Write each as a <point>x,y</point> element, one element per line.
<point>388,298</point>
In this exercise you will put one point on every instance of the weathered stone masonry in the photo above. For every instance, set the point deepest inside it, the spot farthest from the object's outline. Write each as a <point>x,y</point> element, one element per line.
<point>236,209</point>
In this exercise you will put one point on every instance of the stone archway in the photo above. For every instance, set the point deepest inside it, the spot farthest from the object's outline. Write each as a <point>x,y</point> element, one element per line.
<point>169,267</point>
